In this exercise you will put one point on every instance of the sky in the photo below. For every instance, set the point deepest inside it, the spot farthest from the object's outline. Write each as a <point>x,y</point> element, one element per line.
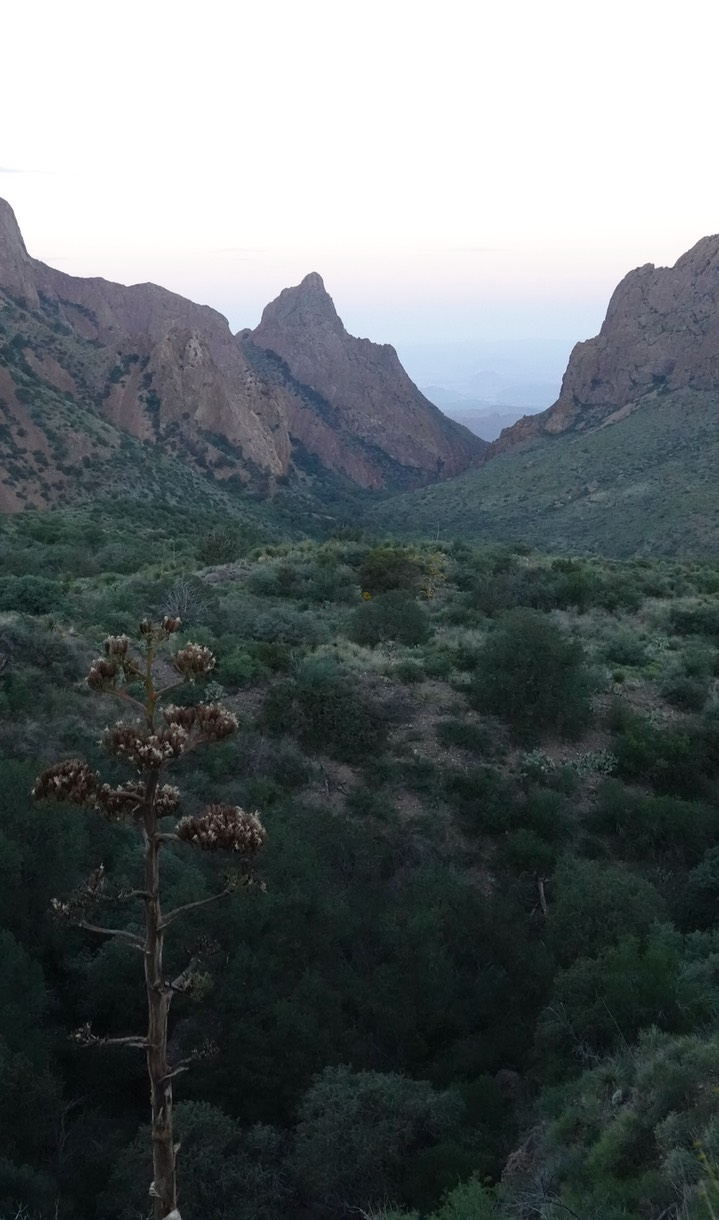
<point>474,175</point>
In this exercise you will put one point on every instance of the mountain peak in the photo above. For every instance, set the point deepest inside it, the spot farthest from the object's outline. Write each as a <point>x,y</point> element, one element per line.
<point>313,282</point>
<point>363,383</point>
<point>307,306</point>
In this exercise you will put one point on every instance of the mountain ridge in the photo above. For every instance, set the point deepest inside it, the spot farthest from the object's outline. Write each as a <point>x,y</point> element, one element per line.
<point>169,372</point>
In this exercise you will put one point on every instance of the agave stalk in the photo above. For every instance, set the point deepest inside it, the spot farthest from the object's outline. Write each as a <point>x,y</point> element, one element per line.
<point>159,735</point>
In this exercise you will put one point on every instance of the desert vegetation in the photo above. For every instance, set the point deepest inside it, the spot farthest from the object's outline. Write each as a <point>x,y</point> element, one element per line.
<point>479,977</point>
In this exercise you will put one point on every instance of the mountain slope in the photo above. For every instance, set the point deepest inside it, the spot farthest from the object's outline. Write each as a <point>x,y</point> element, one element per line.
<point>151,365</point>
<point>625,461</point>
<point>646,486</point>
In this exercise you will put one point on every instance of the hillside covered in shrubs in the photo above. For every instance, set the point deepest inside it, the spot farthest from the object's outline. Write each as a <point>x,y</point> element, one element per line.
<point>481,976</point>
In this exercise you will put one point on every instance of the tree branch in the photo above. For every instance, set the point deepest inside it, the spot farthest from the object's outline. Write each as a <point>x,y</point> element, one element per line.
<point>165,689</point>
<point>192,906</point>
<point>132,1040</point>
<point>123,695</point>
<point>85,1037</point>
<point>183,979</point>
<point>130,937</point>
<point>177,1071</point>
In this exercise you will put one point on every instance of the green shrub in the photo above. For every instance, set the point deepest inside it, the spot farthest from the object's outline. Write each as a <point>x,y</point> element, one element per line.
<point>701,618</point>
<point>674,759</point>
<point>533,676</point>
<point>327,710</point>
<point>654,826</point>
<point>685,693</point>
<point>389,567</point>
<point>624,647</point>
<point>31,595</point>
<point>594,905</point>
<point>237,668</point>
<point>280,624</point>
<point>524,851</point>
<point>698,661</point>
<point>392,616</point>
<point>409,672</point>
<point>359,1133</point>
<point>475,738</point>
<point>226,1173</point>
<point>699,904</point>
<point>484,798</point>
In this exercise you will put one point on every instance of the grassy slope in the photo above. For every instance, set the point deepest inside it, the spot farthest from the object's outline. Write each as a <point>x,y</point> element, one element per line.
<point>646,485</point>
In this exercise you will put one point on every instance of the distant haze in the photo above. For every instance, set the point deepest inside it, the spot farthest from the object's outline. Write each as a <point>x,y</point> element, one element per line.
<point>468,377</point>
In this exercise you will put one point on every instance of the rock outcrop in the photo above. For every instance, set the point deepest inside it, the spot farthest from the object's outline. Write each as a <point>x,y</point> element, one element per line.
<point>661,334</point>
<point>364,382</point>
<point>16,266</point>
<point>169,372</point>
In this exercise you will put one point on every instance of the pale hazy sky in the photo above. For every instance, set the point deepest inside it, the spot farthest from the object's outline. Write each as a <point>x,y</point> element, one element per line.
<point>458,169</point>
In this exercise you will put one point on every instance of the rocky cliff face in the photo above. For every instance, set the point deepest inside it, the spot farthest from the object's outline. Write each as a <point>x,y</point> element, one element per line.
<point>364,382</point>
<point>661,334</point>
<point>169,372</point>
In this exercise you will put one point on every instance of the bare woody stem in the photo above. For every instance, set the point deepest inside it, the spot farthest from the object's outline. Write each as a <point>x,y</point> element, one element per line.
<point>171,916</point>
<point>136,941</point>
<point>159,997</point>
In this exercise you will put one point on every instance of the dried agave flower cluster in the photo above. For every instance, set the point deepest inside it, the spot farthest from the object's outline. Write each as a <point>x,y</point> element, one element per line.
<point>117,645</point>
<point>211,721</point>
<point>74,782</point>
<point>71,780</point>
<point>224,828</point>
<point>168,626</point>
<point>141,747</point>
<point>86,896</point>
<point>194,661</point>
<point>103,674</point>
<point>126,800</point>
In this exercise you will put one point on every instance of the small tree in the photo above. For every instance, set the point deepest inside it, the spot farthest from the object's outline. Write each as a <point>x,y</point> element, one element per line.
<point>531,674</point>
<point>159,734</point>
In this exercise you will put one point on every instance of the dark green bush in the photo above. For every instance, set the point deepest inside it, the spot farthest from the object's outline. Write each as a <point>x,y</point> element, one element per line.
<point>327,710</point>
<point>237,668</point>
<point>686,693</point>
<point>702,618</point>
<point>533,676</point>
<point>625,647</point>
<point>409,672</point>
<point>674,759</point>
<point>476,738</point>
<point>595,905</point>
<point>484,799</point>
<point>654,826</point>
<point>524,851</point>
<point>31,595</point>
<point>389,567</point>
<point>392,616</point>
<point>699,905</point>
